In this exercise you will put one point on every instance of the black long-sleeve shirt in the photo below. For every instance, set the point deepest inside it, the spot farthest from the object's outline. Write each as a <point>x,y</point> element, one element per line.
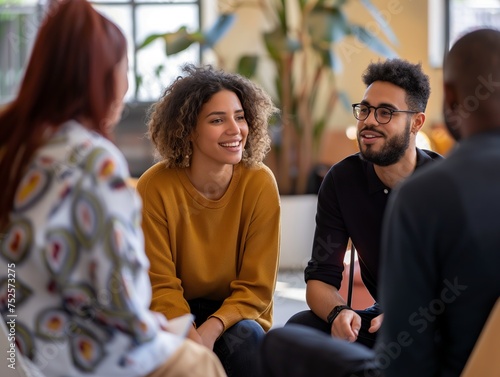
<point>351,204</point>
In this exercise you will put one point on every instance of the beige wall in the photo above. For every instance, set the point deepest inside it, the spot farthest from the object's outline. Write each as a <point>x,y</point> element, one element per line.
<point>408,20</point>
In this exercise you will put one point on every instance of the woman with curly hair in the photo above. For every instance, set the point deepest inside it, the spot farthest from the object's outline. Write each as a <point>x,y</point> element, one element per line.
<point>211,212</point>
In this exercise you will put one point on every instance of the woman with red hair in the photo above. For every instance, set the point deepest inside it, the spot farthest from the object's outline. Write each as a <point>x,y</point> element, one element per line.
<point>75,272</point>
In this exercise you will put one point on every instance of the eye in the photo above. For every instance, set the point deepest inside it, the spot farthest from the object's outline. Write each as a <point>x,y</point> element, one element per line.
<point>216,121</point>
<point>240,118</point>
<point>382,111</point>
<point>363,110</point>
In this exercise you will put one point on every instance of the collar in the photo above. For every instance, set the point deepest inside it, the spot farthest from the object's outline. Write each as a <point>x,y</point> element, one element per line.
<point>376,185</point>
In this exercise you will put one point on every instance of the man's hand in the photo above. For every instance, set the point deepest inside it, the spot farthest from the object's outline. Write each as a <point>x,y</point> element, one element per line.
<point>346,326</point>
<point>376,323</point>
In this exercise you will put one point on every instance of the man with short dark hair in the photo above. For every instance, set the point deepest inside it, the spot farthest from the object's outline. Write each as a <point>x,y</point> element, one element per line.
<point>354,193</point>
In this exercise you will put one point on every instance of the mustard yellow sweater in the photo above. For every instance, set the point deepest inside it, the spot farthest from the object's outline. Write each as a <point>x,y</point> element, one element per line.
<point>226,249</point>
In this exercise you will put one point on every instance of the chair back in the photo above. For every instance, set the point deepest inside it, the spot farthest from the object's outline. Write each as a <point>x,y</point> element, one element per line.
<point>484,360</point>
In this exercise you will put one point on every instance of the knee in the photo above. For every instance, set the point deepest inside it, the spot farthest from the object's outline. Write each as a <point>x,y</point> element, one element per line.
<point>301,318</point>
<point>249,331</point>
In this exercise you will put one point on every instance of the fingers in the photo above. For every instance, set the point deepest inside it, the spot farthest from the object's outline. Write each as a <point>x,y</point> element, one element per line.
<point>346,326</point>
<point>376,323</point>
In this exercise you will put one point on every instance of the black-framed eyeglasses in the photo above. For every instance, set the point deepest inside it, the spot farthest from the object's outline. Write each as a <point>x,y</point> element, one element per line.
<point>383,115</point>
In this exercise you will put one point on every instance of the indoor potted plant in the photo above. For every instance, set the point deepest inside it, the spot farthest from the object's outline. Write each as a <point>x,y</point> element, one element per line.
<point>300,45</point>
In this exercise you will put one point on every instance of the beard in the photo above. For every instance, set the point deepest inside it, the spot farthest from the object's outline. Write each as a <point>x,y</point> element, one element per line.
<point>392,151</point>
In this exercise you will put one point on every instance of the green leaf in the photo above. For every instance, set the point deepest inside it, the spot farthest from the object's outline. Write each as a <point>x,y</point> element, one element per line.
<point>381,21</point>
<point>149,39</point>
<point>318,128</point>
<point>247,65</point>
<point>158,70</point>
<point>138,84</point>
<point>278,44</point>
<point>221,26</point>
<point>327,24</point>
<point>372,42</point>
<point>178,41</point>
<point>330,59</point>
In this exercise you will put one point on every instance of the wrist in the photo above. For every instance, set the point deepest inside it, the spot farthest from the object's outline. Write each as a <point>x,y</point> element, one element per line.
<point>335,312</point>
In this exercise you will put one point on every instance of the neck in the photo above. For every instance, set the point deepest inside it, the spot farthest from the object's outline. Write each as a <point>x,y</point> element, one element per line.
<point>394,174</point>
<point>212,184</point>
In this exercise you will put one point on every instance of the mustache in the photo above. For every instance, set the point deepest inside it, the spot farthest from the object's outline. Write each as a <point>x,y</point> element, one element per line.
<point>371,129</point>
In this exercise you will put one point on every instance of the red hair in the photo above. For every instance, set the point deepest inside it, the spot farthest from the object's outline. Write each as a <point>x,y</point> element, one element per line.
<point>70,75</point>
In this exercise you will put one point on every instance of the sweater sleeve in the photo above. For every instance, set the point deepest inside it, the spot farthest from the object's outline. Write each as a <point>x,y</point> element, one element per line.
<point>252,292</point>
<point>168,293</point>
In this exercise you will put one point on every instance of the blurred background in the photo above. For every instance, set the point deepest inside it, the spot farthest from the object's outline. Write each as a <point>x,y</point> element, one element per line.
<point>308,54</point>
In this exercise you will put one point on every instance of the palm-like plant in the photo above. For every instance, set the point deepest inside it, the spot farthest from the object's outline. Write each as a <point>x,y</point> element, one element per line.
<point>302,50</point>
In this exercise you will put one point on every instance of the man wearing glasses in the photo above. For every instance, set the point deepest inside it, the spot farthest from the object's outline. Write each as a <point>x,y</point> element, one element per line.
<point>354,194</point>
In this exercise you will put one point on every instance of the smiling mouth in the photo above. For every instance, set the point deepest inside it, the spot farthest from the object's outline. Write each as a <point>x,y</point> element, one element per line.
<point>231,145</point>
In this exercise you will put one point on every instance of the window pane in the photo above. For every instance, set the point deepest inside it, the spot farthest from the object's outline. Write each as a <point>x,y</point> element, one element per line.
<point>466,15</point>
<point>18,28</point>
<point>153,65</point>
<point>122,16</point>
<point>171,1</point>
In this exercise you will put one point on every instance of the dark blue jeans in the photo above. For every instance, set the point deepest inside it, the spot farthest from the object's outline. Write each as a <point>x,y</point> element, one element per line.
<point>238,348</point>
<point>308,318</point>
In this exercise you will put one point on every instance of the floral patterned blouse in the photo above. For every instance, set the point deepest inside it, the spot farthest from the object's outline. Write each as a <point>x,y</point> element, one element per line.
<point>74,288</point>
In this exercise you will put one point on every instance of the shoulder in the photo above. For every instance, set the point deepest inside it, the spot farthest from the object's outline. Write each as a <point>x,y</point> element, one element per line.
<point>261,173</point>
<point>259,179</point>
<point>349,168</point>
<point>431,181</point>
<point>154,176</point>
<point>78,148</point>
<point>354,161</point>
<point>425,154</point>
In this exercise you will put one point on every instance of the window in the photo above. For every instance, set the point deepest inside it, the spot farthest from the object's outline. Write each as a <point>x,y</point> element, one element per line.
<point>465,15</point>
<point>19,21</point>
<point>140,18</point>
<point>449,19</point>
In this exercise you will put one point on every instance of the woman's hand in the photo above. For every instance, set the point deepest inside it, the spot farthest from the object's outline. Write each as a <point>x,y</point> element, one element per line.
<point>194,335</point>
<point>210,331</point>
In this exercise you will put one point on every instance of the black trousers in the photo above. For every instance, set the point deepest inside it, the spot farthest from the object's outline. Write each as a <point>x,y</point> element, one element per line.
<point>300,351</point>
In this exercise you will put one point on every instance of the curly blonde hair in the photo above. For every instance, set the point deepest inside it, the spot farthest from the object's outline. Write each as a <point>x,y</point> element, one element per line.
<point>173,118</point>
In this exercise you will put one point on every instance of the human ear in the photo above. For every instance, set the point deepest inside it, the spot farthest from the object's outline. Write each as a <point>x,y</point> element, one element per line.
<point>418,122</point>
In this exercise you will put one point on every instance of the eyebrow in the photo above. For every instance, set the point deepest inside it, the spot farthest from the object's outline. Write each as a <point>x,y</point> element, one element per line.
<point>384,104</point>
<point>223,112</point>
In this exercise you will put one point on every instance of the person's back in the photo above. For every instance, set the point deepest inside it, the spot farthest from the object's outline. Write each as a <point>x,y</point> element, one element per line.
<point>452,213</point>
<point>75,287</point>
<point>442,231</point>
<point>71,227</point>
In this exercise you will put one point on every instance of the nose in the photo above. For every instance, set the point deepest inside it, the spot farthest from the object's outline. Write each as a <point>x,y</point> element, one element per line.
<point>233,128</point>
<point>370,119</point>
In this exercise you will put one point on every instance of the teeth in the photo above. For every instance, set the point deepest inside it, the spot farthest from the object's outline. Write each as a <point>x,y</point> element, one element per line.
<point>233,144</point>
